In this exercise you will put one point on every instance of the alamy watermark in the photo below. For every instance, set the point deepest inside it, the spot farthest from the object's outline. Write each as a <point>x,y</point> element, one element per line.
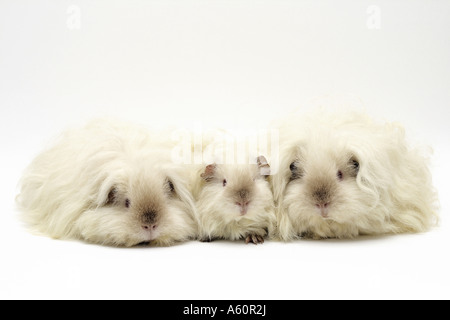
<point>239,147</point>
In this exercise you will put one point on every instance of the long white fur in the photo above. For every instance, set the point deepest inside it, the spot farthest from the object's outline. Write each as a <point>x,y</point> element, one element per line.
<point>218,216</point>
<point>64,190</point>
<point>392,192</point>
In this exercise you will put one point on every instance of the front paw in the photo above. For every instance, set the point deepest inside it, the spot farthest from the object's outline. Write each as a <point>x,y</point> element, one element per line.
<point>256,239</point>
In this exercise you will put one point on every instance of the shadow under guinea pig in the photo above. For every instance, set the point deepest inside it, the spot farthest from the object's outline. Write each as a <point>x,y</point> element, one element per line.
<point>359,239</point>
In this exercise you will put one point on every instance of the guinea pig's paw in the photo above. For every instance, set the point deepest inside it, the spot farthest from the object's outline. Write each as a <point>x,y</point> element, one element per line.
<point>256,239</point>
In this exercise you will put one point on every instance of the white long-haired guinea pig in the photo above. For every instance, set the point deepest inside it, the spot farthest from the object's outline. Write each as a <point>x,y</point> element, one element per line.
<point>346,175</point>
<point>235,202</point>
<point>107,183</point>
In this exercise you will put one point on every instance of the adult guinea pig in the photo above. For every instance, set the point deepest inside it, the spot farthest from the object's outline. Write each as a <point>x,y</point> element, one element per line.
<point>341,176</point>
<point>107,183</point>
<point>235,202</point>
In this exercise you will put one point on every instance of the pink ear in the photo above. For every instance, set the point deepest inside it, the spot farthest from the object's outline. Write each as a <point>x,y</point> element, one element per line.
<point>210,170</point>
<point>264,167</point>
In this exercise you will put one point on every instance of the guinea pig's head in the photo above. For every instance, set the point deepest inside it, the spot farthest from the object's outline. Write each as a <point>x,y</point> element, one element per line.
<point>345,175</point>
<point>325,181</point>
<point>236,191</point>
<point>141,205</point>
<point>323,184</point>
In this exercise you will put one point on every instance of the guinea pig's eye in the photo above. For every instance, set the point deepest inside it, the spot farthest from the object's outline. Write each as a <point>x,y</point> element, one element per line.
<point>127,203</point>
<point>224,182</point>
<point>293,166</point>
<point>169,187</point>
<point>340,175</point>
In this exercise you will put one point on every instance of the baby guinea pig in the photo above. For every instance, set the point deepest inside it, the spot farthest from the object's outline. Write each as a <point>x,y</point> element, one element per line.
<point>235,202</point>
<point>346,175</point>
<point>107,183</point>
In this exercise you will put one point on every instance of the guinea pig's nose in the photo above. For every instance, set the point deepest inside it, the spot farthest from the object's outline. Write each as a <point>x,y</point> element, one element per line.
<point>149,226</point>
<point>323,208</point>
<point>243,205</point>
<point>149,220</point>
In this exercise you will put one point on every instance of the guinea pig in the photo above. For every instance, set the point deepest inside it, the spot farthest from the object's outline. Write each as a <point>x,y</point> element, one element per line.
<point>235,202</point>
<point>347,175</point>
<point>107,183</point>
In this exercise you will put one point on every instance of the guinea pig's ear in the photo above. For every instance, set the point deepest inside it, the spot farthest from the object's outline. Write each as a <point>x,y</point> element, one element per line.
<point>264,167</point>
<point>209,173</point>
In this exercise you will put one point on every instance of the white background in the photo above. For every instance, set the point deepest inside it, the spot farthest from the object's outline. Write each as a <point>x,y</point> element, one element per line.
<point>220,62</point>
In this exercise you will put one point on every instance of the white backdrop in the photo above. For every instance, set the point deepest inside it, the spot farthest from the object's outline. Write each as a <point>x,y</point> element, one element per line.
<point>220,62</point>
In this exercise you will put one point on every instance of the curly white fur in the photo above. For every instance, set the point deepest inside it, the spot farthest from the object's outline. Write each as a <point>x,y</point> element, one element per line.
<point>108,183</point>
<point>347,175</point>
